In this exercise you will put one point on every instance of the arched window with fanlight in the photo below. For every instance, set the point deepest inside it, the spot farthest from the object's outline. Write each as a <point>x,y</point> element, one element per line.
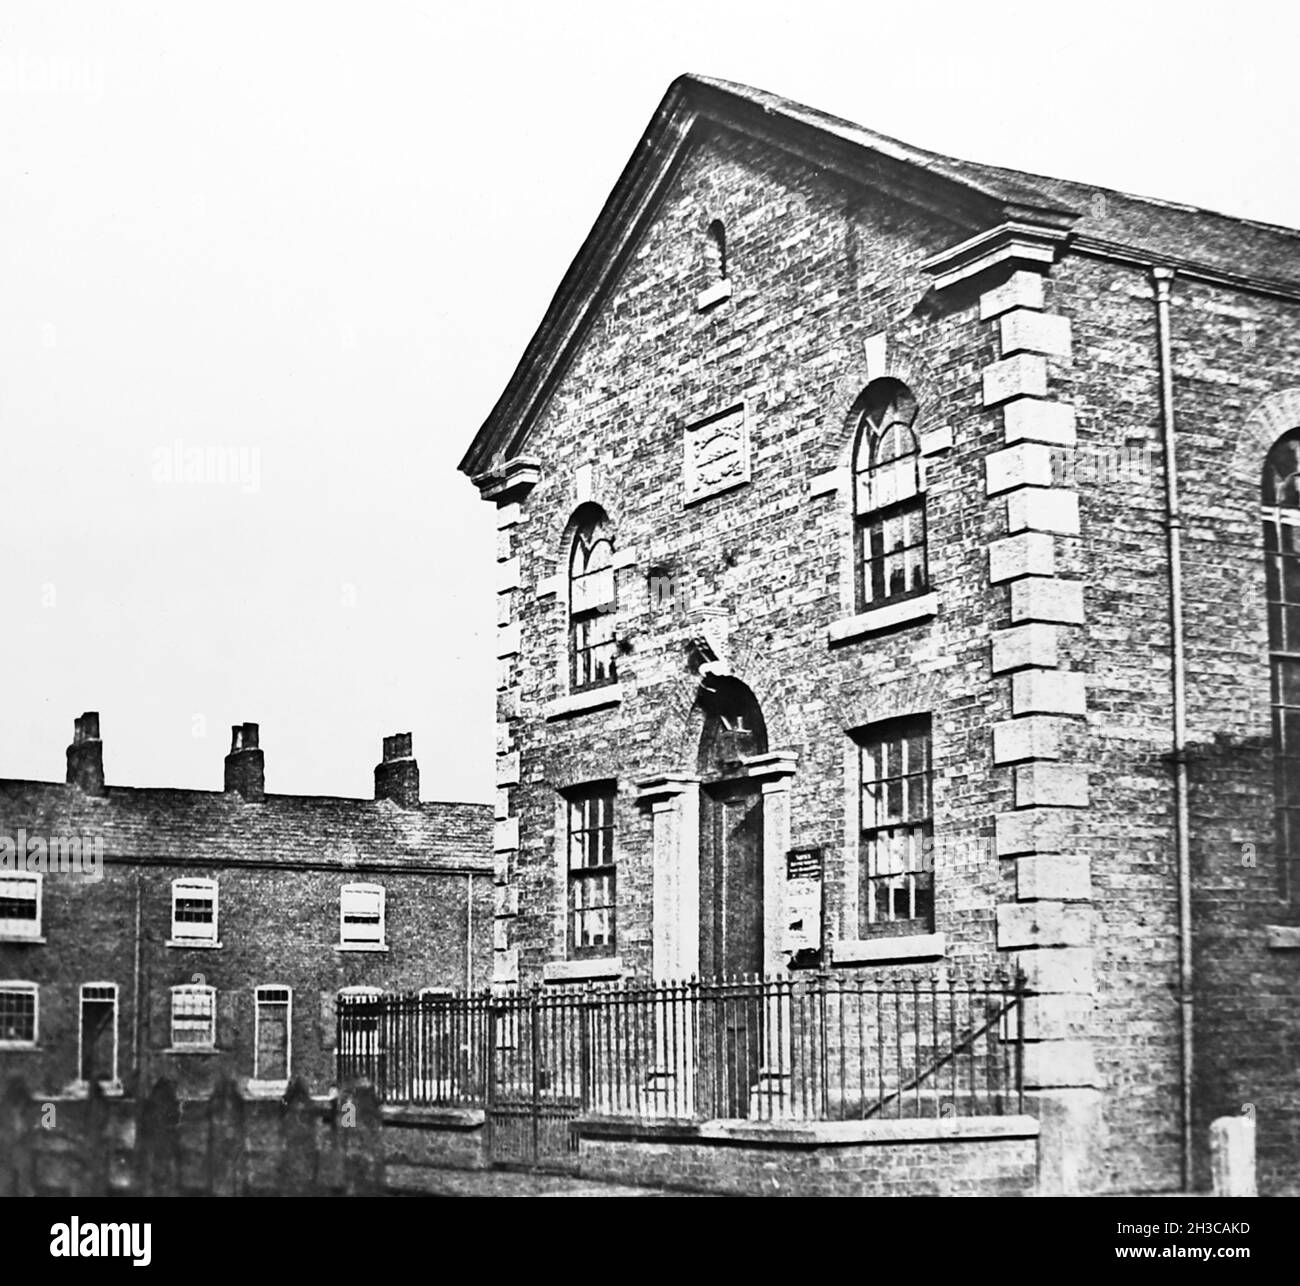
<point>888,498</point>
<point>592,602</point>
<point>1281,498</point>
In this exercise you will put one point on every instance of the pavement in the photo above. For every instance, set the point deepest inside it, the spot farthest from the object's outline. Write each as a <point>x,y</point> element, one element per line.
<point>420,1181</point>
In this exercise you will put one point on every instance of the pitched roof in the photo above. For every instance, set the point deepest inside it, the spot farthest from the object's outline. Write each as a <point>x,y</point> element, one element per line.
<point>970,195</point>
<point>208,828</point>
<point>1162,230</point>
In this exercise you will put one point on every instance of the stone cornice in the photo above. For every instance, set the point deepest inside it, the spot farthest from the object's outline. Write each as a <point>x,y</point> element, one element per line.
<point>1014,244</point>
<point>510,481</point>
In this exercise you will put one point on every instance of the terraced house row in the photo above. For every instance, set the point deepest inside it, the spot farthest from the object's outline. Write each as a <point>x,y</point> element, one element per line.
<point>186,934</point>
<point>896,579</point>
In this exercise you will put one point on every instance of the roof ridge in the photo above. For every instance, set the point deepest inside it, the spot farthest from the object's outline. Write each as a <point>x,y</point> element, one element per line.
<point>111,789</point>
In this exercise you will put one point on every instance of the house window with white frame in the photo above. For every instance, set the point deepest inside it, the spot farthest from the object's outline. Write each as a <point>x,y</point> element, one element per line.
<point>273,1026</point>
<point>194,912</point>
<point>362,916</point>
<point>592,887</point>
<point>194,1017</point>
<point>19,1012</point>
<point>895,829</point>
<point>20,906</point>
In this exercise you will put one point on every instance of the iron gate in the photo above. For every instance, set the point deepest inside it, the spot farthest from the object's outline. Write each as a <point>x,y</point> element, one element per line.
<point>539,1056</point>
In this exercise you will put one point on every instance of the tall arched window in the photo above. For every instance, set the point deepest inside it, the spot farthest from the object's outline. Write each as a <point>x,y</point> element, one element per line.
<point>1281,497</point>
<point>888,499</point>
<point>592,602</point>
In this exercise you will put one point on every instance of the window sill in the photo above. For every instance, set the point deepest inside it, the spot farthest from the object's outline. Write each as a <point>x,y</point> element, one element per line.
<point>587,970</point>
<point>1282,937</point>
<point>580,702</point>
<point>377,947</point>
<point>883,618</point>
<point>195,944</point>
<point>19,1047</point>
<point>110,1089</point>
<point>267,1089</point>
<point>715,294</point>
<point>926,946</point>
<point>190,1049</point>
<point>21,939</point>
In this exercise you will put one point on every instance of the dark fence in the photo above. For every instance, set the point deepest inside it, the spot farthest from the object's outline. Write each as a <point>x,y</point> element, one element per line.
<point>821,1047</point>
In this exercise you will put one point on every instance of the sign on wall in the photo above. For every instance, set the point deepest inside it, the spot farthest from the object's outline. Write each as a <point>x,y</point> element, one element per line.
<point>803,901</point>
<point>717,454</point>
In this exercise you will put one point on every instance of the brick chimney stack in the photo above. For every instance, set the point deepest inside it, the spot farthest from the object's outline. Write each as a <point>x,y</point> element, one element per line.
<point>245,764</point>
<point>86,755</point>
<point>398,777</point>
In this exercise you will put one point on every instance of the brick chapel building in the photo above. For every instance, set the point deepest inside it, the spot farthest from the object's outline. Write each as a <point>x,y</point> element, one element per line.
<point>151,933</point>
<point>932,519</point>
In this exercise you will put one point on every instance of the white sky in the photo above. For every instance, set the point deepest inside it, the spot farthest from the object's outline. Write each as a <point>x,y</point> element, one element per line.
<point>326,232</point>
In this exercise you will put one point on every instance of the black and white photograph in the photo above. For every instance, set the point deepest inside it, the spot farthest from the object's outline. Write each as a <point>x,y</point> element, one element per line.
<point>673,600</point>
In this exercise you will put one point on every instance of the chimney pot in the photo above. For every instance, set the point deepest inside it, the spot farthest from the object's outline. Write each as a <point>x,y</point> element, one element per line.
<point>398,777</point>
<point>86,755</point>
<point>245,764</point>
<point>243,736</point>
<point>398,746</point>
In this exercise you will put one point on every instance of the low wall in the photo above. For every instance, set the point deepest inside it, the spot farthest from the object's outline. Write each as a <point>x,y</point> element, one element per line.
<point>430,1138</point>
<point>953,1156</point>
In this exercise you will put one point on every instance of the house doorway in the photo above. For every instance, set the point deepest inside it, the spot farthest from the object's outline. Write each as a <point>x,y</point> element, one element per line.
<point>98,1033</point>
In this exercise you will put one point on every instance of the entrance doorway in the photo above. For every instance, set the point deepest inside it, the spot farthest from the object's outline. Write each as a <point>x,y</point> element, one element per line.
<point>98,1033</point>
<point>731,892</point>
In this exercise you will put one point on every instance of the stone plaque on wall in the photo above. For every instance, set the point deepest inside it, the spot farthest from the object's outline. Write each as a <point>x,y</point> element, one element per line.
<point>717,454</point>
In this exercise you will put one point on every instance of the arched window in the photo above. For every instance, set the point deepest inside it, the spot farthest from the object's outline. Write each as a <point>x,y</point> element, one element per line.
<point>888,499</point>
<point>717,251</point>
<point>592,603</point>
<point>1281,497</point>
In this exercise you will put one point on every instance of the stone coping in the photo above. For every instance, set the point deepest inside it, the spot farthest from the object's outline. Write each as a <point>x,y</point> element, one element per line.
<point>808,1134</point>
<point>434,1118</point>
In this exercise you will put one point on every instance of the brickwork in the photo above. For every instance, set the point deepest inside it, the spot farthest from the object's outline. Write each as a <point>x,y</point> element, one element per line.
<point>279,864</point>
<point>785,587</point>
<point>1042,654</point>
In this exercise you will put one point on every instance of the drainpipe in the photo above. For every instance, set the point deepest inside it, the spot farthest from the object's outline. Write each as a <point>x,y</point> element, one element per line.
<point>1174,524</point>
<point>469,934</point>
<point>136,1025</point>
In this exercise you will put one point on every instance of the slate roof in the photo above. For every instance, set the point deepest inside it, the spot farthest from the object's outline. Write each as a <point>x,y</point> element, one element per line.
<point>210,828</point>
<point>1161,229</point>
<point>971,195</point>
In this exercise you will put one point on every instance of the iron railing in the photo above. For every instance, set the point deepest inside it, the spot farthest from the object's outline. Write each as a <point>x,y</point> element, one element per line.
<point>808,1046</point>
